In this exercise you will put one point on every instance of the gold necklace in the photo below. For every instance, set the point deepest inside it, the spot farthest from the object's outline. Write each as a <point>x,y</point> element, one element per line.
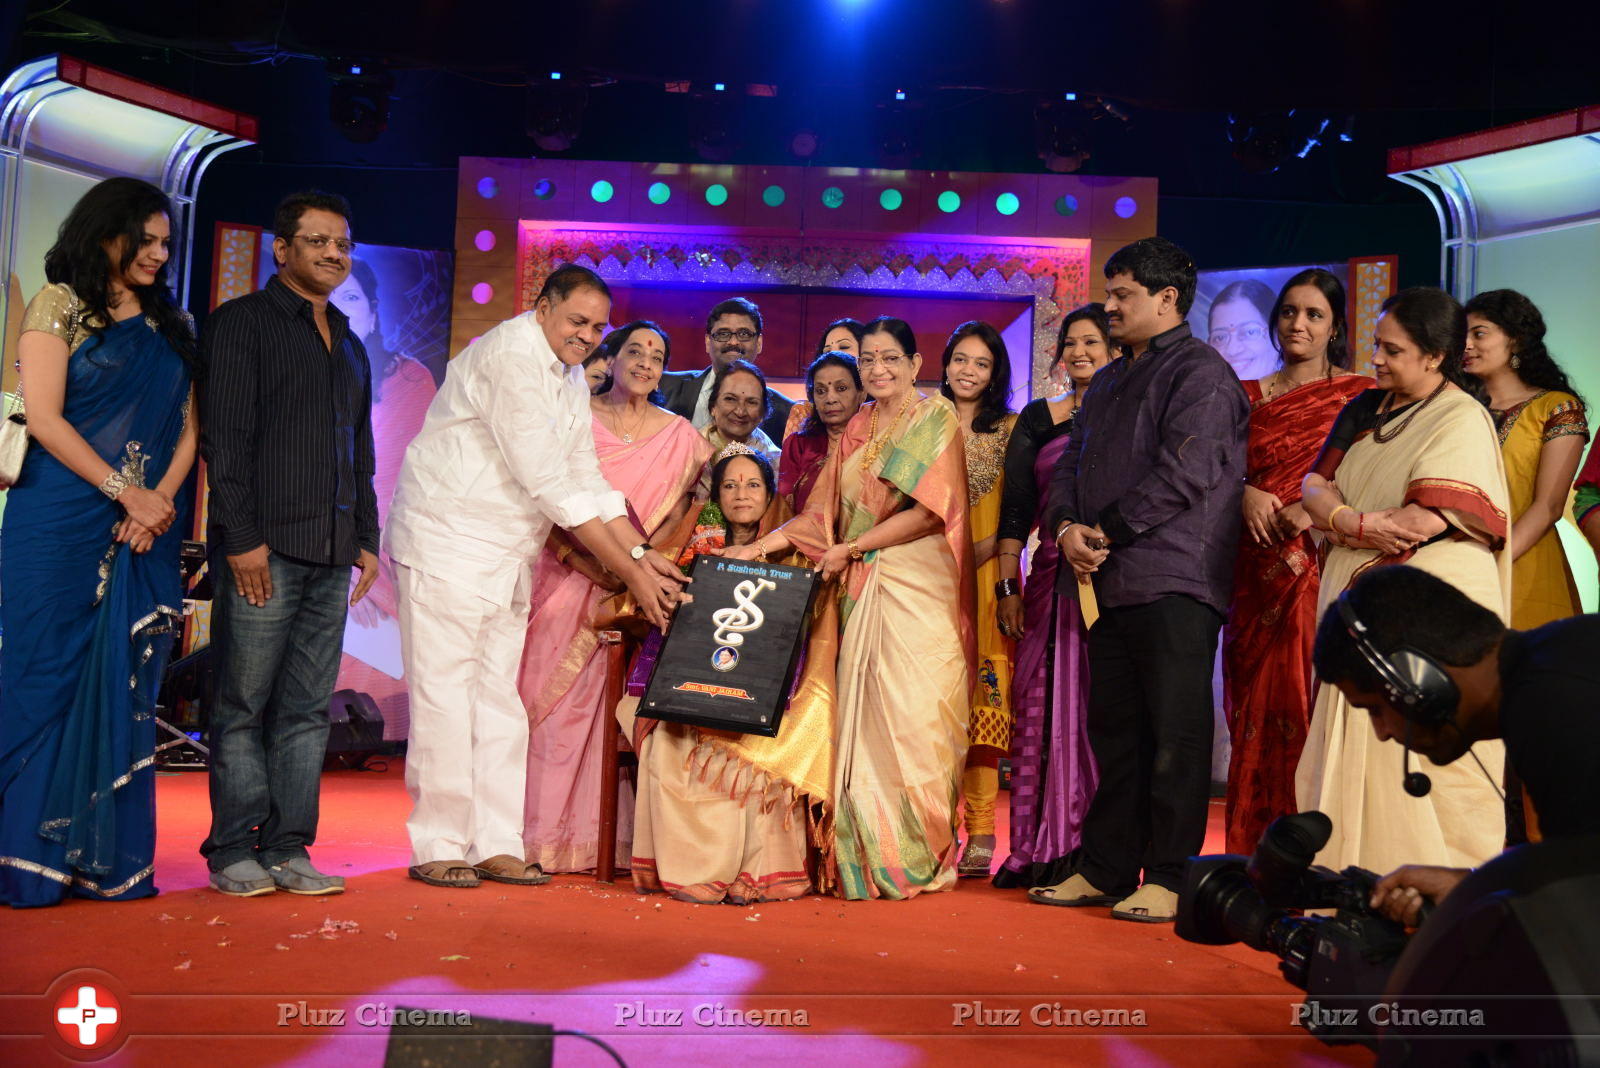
<point>620,428</point>
<point>875,446</point>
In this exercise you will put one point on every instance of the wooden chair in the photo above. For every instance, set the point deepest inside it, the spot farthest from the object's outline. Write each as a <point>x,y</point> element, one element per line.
<point>613,755</point>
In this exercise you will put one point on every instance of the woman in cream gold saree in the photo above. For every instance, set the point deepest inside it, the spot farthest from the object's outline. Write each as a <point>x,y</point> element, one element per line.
<point>888,518</point>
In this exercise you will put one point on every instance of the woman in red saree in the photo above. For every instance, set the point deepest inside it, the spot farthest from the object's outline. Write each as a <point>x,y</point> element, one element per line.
<point>1267,650</point>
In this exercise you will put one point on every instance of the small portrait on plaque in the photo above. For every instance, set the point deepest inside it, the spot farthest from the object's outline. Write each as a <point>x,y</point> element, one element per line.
<point>725,659</point>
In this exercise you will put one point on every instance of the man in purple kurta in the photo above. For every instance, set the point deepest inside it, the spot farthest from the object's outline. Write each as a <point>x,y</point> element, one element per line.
<point>1146,501</point>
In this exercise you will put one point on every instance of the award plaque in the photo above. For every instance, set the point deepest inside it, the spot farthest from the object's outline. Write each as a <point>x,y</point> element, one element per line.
<point>730,656</point>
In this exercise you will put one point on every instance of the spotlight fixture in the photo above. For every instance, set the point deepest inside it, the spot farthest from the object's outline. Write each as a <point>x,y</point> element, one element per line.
<point>1262,142</point>
<point>554,115</point>
<point>358,102</point>
<point>899,142</point>
<point>804,144</point>
<point>1061,136</point>
<point>714,125</point>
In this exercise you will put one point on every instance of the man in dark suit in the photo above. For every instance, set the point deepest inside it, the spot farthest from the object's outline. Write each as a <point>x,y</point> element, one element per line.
<point>733,332</point>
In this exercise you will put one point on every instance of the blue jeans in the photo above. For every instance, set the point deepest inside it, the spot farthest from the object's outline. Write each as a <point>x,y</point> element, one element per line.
<point>275,670</point>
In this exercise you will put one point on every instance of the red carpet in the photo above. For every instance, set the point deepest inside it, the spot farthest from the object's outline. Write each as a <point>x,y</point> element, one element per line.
<point>200,975</point>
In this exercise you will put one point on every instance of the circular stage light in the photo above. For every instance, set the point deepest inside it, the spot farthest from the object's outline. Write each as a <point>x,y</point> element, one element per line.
<point>716,195</point>
<point>1066,204</point>
<point>659,193</point>
<point>487,188</point>
<point>832,197</point>
<point>949,201</point>
<point>482,293</point>
<point>1007,203</point>
<point>772,196</point>
<point>602,191</point>
<point>1125,207</point>
<point>484,239</point>
<point>544,189</point>
<point>890,199</point>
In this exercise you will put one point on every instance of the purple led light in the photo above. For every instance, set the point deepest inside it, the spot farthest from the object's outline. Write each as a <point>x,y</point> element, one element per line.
<point>482,293</point>
<point>484,239</point>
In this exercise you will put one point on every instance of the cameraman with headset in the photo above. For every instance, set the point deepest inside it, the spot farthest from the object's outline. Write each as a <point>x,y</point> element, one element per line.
<point>1438,672</point>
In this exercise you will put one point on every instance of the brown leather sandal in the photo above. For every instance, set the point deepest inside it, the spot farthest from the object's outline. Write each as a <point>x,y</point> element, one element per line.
<point>506,868</point>
<point>442,873</point>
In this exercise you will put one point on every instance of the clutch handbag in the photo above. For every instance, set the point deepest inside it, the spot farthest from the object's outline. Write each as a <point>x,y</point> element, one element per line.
<point>13,441</point>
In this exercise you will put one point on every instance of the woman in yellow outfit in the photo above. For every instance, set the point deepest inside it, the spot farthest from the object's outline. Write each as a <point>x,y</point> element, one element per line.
<point>977,379</point>
<point>1540,421</point>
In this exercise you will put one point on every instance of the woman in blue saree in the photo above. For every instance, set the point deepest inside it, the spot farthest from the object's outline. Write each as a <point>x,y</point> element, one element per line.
<point>90,588</point>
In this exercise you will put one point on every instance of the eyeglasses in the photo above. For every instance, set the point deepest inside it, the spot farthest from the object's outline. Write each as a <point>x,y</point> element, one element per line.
<point>1246,332</point>
<point>722,337</point>
<point>888,359</point>
<point>322,241</point>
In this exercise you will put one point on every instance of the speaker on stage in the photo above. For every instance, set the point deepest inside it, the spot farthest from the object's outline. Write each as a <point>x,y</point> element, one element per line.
<point>355,730</point>
<point>427,1038</point>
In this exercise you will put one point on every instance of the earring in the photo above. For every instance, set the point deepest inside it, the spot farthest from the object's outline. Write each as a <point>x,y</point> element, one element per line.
<point>1516,361</point>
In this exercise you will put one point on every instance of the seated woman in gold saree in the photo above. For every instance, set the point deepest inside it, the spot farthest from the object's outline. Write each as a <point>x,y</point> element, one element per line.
<point>722,817</point>
<point>888,518</point>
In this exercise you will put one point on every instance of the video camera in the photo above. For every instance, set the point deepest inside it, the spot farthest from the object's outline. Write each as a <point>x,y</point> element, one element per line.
<point>1343,960</point>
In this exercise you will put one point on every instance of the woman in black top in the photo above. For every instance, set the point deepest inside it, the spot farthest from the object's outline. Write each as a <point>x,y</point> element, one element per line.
<point>1052,770</point>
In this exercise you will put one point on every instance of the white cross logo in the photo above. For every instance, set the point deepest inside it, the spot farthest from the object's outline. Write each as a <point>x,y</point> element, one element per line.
<point>88,1016</point>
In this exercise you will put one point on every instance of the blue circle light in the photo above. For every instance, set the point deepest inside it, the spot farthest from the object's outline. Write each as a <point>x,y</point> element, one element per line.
<point>487,188</point>
<point>1125,207</point>
<point>602,191</point>
<point>1066,204</point>
<point>544,189</point>
<point>1007,203</point>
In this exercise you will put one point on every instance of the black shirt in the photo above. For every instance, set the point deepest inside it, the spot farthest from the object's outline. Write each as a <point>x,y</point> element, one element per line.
<point>286,430</point>
<point>1550,720</point>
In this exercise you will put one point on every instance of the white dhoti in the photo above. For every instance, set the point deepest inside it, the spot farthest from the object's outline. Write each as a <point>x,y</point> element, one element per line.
<point>467,758</point>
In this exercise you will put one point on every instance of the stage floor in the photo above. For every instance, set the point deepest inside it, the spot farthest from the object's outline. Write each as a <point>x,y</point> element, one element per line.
<point>952,978</point>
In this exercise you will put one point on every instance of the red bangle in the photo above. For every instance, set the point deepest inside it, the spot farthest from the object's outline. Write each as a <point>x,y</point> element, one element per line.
<point>1361,526</point>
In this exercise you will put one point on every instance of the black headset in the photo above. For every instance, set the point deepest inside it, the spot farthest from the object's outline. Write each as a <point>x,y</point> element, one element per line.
<point>1415,683</point>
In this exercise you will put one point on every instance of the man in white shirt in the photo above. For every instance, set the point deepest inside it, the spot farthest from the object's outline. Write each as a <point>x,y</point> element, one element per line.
<point>505,453</point>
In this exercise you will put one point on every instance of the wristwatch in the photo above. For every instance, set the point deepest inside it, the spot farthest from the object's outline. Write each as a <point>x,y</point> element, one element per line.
<point>638,551</point>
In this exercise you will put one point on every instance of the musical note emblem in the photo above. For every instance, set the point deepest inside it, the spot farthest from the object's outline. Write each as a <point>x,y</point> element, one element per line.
<point>734,623</point>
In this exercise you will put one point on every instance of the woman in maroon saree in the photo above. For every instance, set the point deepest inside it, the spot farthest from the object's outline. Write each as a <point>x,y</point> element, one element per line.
<point>1267,648</point>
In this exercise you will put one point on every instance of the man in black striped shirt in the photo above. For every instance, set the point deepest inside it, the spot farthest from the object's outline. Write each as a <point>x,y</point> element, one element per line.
<point>287,439</point>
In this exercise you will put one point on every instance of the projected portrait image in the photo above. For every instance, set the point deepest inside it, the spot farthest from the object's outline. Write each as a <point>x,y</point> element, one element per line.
<point>1232,309</point>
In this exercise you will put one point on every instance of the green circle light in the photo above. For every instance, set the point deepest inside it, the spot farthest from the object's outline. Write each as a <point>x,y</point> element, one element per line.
<point>1066,204</point>
<point>772,196</point>
<point>1007,203</point>
<point>602,191</point>
<point>716,195</point>
<point>890,199</point>
<point>659,193</point>
<point>949,201</point>
<point>832,197</point>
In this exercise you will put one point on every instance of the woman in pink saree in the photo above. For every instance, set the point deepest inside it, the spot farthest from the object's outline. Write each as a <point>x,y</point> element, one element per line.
<point>652,457</point>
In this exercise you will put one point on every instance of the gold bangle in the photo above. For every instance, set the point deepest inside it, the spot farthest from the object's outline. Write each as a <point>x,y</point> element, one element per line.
<point>854,549</point>
<point>761,549</point>
<point>1331,524</point>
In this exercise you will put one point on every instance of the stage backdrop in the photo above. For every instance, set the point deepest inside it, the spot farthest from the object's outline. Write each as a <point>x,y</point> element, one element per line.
<point>398,301</point>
